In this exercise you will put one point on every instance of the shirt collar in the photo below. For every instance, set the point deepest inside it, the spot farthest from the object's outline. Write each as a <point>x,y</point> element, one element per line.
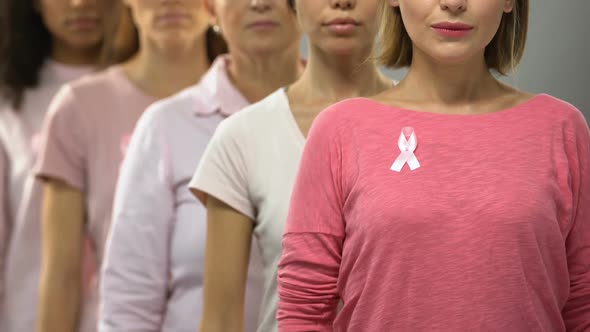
<point>216,92</point>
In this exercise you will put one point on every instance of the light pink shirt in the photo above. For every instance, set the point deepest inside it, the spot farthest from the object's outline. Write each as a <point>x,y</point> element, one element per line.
<point>20,198</point>
<point>490,233</point>
<point>85,138</point>
<point>152,279</point>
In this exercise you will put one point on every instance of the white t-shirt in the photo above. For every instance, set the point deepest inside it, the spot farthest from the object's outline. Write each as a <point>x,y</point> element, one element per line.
<point>250,164</point>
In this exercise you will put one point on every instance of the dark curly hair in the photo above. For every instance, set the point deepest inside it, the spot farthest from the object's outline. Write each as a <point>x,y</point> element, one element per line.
<point>25,43</point>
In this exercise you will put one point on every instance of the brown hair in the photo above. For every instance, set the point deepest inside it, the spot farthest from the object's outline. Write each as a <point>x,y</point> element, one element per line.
<point>502,54</point>
<point>122,39</point>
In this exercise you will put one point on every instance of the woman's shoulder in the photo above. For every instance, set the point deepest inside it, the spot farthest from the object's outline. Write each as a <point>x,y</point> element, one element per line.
<point>173,107</point>
<point>557,107</point>
<point>351,111</point>
<point>267,106</point>
<point>97,78</point>
<point>350,106</point>
<point>100,86</point>
<point>548,111</point>
<point>90,93</point>
<point>258,116</point>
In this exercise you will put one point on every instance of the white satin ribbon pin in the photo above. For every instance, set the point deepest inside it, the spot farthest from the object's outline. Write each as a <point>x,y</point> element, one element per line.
<point>407,148</point>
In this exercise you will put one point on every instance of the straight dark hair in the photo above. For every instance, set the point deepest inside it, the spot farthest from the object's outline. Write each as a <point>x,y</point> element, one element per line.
<point>25,44</point>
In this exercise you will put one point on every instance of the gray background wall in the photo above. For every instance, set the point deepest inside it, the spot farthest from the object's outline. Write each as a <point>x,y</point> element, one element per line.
<point>557,56</point>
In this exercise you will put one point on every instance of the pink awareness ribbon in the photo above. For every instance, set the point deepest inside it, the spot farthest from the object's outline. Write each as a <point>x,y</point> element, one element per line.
<point>407,146</point>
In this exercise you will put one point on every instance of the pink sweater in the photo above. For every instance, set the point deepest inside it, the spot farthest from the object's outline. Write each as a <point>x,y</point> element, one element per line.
<point>490,233</point>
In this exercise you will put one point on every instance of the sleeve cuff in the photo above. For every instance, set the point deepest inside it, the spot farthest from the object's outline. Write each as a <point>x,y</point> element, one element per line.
<point>201,187</point>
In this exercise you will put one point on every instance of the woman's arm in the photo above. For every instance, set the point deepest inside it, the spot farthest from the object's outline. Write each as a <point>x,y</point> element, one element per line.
<point>5,223</point>
<point>314,235</point>
<point>61,273</point>
<point>62,167</point>
<point>134,280</point>
<point>221,184</point>
<point>229,236</point>
<point>577,309</point>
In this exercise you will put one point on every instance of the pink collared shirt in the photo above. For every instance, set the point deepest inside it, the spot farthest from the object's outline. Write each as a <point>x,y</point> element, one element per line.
<point>152,279</point>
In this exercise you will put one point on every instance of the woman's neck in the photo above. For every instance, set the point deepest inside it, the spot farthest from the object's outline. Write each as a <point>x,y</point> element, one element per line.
<point>74,57</point>
<point>467,88</point>
<point>328,79</point>
<point>257,75</point>
<point>163,72</point>
<point>450,83</point>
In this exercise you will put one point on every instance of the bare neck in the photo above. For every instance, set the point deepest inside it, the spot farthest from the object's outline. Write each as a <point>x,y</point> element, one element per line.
<point>163,72</point>
<point>452,85</point>
<point>75,57</point>
<point>257,75</point>
<point>328,79</point>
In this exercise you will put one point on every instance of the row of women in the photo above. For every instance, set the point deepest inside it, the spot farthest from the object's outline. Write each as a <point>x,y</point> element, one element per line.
<point>175,165</point>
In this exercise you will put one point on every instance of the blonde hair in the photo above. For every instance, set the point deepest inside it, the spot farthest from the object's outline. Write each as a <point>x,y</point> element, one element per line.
<point>502,54</point>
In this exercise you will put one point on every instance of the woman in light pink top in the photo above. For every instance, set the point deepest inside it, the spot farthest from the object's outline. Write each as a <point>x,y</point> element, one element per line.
<point>86,136</point>
<point>42,46</point>
<point>152,278</point>
<point>451,202</point>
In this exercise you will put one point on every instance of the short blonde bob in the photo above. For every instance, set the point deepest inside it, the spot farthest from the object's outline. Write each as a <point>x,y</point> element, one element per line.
<point>502,54</point>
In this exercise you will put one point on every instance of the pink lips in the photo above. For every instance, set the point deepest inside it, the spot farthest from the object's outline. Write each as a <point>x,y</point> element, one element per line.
<point>83,23</point>
<point>452,30</point>
<point>173,18</point>
<point>263,25</point>
<point>342,26</point>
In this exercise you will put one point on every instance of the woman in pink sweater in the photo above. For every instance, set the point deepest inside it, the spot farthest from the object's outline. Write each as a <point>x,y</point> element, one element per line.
<point>451,202</point>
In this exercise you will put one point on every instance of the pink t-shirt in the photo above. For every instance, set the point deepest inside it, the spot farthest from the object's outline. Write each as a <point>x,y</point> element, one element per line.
<point>152,279</point>
<point>490,231</point>
<point>85,137</point>
<point>20,197</point>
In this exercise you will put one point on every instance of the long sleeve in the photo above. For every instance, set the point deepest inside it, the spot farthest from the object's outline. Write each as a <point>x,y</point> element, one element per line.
<point>5,224</point>
<point>577,310</point>
<point>313,240</point>
<point>135,272</point>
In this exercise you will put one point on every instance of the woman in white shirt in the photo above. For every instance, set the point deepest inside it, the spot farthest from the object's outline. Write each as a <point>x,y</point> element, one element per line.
<point>247,172</point>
